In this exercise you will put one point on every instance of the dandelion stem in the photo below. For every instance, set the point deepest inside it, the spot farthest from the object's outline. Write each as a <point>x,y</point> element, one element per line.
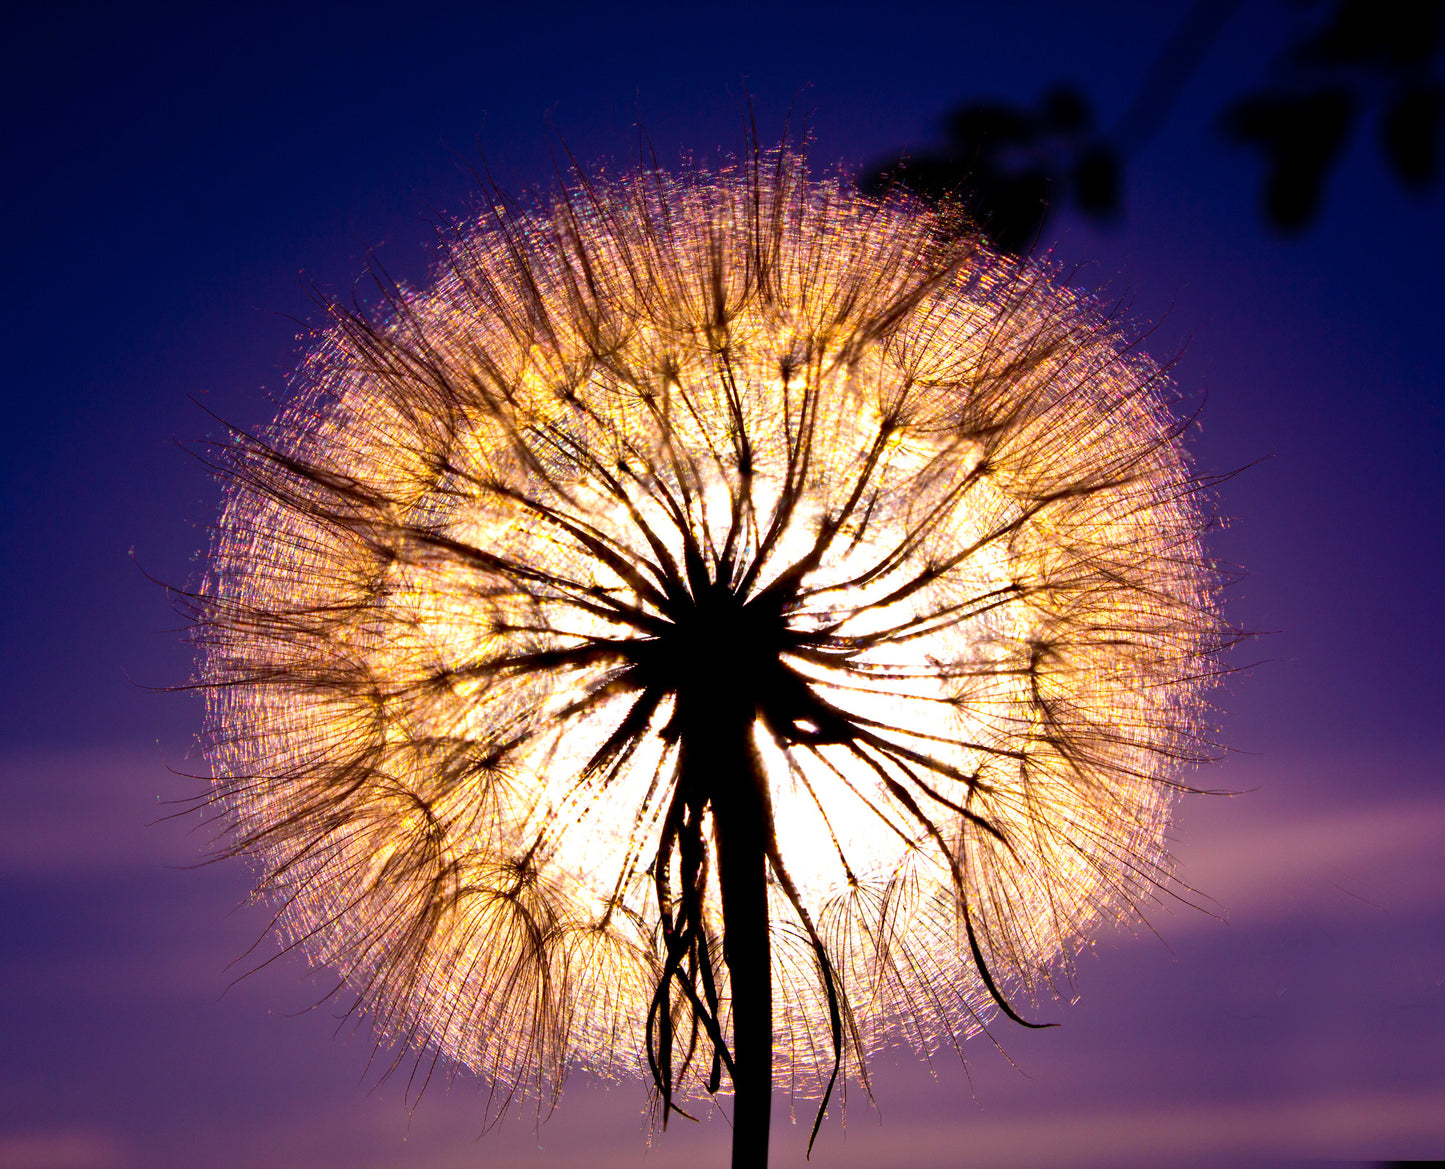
<point>719,759</point>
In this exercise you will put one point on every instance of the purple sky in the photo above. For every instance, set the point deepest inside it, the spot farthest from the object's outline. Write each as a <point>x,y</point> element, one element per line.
<point>176,183</point>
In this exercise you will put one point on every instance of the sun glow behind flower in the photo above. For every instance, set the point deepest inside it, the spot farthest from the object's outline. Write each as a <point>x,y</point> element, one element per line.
<point>677,447</point>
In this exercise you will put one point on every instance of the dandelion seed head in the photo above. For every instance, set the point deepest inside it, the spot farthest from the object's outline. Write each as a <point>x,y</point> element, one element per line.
<point>741,438</point>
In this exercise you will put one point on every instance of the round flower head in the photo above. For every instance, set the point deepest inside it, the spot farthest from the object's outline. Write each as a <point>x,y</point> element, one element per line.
<point>727,507</point>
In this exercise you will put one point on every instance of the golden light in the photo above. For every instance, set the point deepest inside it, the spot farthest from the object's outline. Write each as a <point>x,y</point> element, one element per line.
<point>676,460</point>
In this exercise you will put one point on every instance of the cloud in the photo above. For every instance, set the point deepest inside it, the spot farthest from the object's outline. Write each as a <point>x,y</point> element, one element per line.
<point>1364,1126</point>
<point>76,812</point>
<point>61,1149</point>
<point>598,1128</point>
<point>1311,841</point>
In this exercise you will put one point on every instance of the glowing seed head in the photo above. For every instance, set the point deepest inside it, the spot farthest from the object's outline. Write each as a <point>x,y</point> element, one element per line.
<point>677,452</point>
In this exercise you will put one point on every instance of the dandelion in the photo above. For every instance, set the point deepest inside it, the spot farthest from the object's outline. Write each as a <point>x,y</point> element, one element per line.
<point>722,626</point>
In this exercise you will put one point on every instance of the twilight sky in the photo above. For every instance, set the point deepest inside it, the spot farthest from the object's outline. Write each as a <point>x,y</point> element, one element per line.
<point>179,178</point>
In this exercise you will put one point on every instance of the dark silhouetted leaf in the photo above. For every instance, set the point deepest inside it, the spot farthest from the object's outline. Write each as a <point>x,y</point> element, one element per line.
<point>1066,111</point>
<point>1097,182</point>
<point>1386,34</point>
<point>991,124</point>
<point>1004,166</point>
<point>1300,137</point>
<point>1410,134</point>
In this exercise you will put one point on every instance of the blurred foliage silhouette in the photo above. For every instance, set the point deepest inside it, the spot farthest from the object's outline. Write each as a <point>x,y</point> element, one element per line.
<point>1008,167</point>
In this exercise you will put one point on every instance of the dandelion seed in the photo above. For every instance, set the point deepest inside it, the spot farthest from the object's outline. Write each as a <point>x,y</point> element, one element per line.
<point>723,625</point>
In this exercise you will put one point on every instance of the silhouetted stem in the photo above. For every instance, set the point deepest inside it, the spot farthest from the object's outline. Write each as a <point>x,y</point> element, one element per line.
<point>724,763</point>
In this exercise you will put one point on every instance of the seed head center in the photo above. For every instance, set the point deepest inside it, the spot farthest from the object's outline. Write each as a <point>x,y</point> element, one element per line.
<point>723,649</point>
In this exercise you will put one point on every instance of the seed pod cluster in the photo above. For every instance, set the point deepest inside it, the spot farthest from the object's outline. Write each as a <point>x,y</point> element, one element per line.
<point>671,454</point>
